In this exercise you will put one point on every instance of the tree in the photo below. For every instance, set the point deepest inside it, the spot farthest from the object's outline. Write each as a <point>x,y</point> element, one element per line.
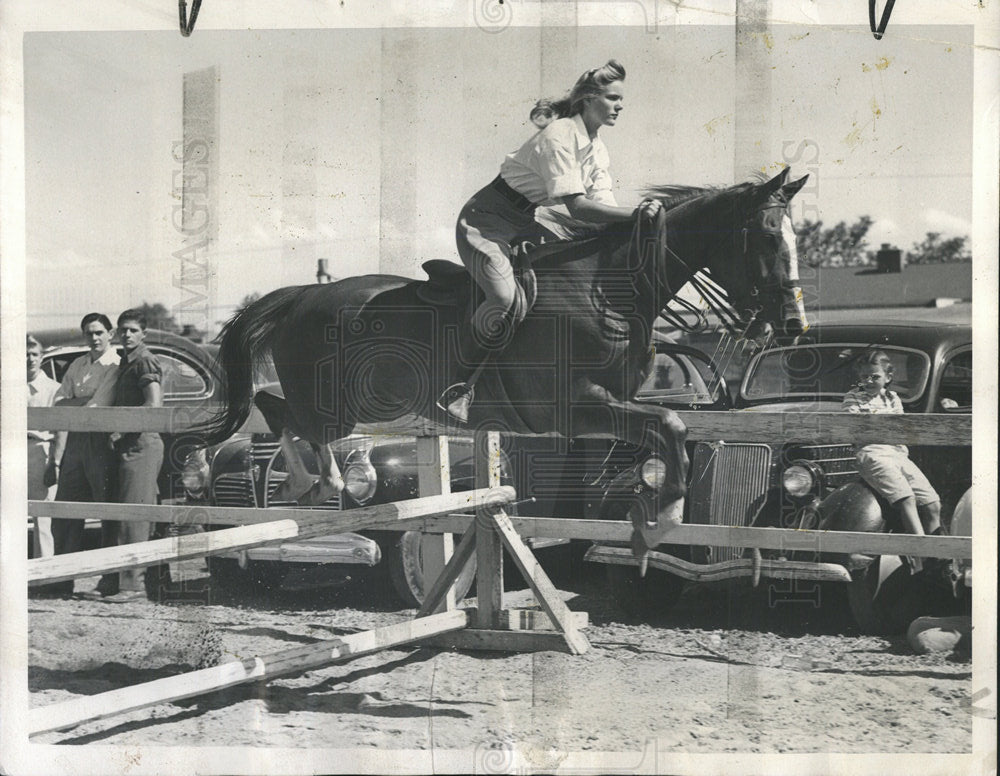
<point>158,317</point>
<point>245,302</point>
<point>934,250</point>
<point>249,299</point>
<point>840,246</point>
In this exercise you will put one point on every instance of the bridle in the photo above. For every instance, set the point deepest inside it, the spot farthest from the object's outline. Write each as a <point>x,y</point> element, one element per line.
<point>714,295</point>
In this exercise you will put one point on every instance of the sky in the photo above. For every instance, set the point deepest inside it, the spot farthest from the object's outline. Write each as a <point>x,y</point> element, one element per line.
<point>360,146</point>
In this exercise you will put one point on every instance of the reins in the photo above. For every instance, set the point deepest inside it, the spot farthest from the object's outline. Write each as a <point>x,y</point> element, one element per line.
<point>714,295</point>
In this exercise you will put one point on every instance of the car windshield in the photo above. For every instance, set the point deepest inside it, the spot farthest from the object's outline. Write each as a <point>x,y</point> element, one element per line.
<point>681,379</point>
<point>828,371</point>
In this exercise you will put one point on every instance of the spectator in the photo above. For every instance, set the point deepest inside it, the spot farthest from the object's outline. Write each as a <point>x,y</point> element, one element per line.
<point>888,468</point>
<point>83,458</point>
<point>138,454</point>
<point>41,478</point>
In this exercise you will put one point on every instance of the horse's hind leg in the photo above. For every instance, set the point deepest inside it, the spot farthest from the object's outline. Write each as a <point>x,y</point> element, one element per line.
<point>299,481</point>
<point>330,482</point>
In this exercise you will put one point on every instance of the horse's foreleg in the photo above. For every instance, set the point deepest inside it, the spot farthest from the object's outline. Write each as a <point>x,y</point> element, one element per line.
<point>657,429</point>
<point>299,483</point>
<point>331,481</point>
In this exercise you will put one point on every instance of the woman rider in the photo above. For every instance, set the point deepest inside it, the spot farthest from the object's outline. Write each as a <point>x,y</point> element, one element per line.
<point>566,163</point>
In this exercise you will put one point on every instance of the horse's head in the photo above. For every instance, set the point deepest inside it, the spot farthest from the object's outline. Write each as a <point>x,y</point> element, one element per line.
<point>743,237</point>
<point>768,293</point>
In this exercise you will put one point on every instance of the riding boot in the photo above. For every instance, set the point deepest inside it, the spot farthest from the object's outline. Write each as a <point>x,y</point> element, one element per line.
<point>457,397</point>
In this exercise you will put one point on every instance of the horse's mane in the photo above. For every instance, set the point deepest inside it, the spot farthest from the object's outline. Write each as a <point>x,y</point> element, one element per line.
<point>673,196</point>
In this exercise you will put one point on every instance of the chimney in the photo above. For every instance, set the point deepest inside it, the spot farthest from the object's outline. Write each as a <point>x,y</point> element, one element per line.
<point>322,274</point>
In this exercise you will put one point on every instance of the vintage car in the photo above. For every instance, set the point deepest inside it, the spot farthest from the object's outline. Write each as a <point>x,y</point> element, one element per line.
<point>246,470</point>
<point>801,482</point>
<point>190,379</point>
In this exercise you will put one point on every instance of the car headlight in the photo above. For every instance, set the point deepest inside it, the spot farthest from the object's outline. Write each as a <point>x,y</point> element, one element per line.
<point>654,473</point>
<point>360,481</point>
<point>800,479</point>
<point>195,473</point>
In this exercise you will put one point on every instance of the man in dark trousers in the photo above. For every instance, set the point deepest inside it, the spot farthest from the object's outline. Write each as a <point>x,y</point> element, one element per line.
<point>138,454</point>
<point>81,460</point>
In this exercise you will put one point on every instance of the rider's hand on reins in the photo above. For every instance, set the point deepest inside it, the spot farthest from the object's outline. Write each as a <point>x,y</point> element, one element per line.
<point>649,208</point>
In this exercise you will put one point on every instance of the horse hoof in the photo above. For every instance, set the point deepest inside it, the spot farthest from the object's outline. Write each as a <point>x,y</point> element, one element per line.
<point>318,495</point>
<point>291,491</point>
<point>667,519</point>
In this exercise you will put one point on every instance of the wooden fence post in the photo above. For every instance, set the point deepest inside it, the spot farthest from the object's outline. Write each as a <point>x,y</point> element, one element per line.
<point>434,479</point>
<point>489,548</point>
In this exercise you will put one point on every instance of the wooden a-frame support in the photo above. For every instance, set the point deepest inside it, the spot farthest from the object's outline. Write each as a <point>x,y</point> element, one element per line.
<point>487,537</point>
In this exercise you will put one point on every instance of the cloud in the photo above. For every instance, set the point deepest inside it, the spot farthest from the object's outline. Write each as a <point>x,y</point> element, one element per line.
<point>946,223</point>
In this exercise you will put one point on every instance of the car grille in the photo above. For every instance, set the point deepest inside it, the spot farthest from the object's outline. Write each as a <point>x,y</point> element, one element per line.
<point>233,489</point>
<point>729,485</point>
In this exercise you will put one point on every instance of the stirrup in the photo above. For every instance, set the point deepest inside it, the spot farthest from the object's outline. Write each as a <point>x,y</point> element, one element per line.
<point>456,399</point>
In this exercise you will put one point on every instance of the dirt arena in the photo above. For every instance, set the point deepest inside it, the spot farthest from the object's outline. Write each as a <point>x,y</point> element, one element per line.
<point>721,673</point>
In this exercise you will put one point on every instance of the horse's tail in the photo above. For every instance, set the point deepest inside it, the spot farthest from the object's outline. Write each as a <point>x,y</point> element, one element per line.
<point>243,341</point>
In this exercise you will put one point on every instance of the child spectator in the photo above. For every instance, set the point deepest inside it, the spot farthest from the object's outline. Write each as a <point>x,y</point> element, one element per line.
<point>888,468</point>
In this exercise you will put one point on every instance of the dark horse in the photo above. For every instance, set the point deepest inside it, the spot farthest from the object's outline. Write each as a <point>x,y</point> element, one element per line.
<point>375,348</point>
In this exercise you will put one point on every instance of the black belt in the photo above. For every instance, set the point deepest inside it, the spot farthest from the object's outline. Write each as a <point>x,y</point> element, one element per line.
<point>516,198</point>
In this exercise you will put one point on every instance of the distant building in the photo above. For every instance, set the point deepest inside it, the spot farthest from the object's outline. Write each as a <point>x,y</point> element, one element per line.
<point>889,259</point>
<point>193,333</point>
<point>322,271</point>
<point>920,285</point>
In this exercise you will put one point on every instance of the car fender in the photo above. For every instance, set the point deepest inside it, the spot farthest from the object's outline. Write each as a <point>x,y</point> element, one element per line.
<point>852,507</point>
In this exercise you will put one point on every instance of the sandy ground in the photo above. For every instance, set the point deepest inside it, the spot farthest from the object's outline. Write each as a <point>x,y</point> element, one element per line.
<point>721,673</point>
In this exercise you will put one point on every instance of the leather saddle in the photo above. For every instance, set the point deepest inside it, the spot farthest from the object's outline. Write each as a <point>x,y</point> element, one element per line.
<point>449,284</point>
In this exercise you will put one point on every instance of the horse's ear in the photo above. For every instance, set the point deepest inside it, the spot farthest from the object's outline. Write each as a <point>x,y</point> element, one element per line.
<point>791,189</point>
<point>763,191</point>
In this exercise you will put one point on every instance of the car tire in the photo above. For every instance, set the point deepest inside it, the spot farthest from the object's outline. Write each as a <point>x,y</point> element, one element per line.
<point>655,593</point>
<point>880,610</point>
<point>901,598</point>
<point>405,566</point>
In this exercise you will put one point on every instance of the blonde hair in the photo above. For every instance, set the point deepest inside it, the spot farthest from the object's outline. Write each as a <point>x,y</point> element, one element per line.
<point>591,84</point>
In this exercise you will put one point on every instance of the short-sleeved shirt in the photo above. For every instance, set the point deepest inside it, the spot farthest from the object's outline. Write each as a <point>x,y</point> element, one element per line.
<point>559,161</point>
<point>883,403</point>
<point>138,369</point>
<point>92,380</point>
<point>41,393</point>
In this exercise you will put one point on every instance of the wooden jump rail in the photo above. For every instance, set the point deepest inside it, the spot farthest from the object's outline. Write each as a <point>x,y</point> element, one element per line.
<point>487,535</point>
<point>279,524</point>
<point>733,425</point>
